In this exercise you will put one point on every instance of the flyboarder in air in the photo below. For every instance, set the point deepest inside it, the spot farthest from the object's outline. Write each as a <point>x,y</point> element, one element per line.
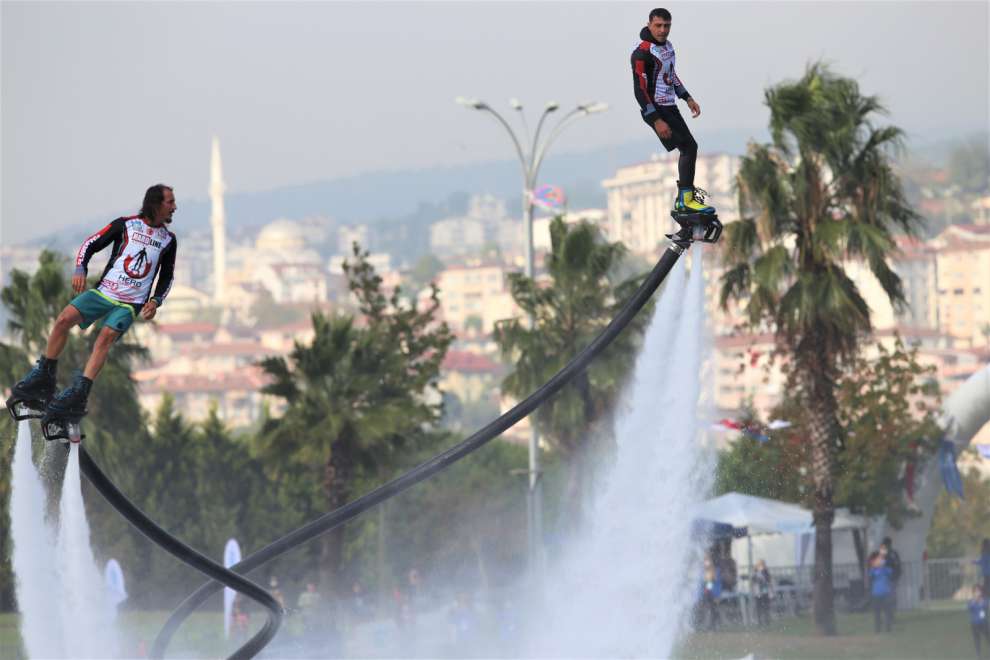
<point>657,88</point>
<point>142,249</point>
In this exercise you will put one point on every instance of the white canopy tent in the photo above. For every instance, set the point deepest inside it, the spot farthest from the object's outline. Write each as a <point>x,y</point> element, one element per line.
<point>762,516</point>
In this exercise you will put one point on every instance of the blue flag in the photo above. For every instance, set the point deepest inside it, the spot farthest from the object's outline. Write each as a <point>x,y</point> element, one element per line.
<point>947,466</point>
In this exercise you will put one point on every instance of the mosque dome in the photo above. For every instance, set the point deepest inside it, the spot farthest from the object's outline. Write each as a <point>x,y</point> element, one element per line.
<point>282,235</point>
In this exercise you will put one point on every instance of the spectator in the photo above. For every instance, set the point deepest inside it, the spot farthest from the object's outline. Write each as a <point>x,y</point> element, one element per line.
<point>893,560</point>
<point>276,592</point>
<point>727,567</point>
<point>401,609</point>
<point>240,622</point>
<point>414,587</point>
<point>360,609</point>
<point>463,620</point>
<point>711,591</point>
<point>881,592</point>
<point>978,621</point>
<point>984,562</point>
<point>763,590</point>
<point>309,605</point>
<point>411,600</point>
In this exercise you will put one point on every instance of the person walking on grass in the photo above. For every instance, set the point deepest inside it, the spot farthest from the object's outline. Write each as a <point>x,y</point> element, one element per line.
<point>979,624</point>
<point>881,592</point>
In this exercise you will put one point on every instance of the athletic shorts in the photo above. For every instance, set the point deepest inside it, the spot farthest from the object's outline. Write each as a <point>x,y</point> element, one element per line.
<point>680,133</point>
<point>97,306</point>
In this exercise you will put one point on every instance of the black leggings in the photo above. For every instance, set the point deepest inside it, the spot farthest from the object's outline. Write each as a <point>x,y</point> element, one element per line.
<point>980,630</point>
<point>686,161</point>
<point>682,140</point>
<point>883,613</point>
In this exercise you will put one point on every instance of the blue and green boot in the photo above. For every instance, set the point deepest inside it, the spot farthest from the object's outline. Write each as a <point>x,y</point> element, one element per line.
<point>691,200</point>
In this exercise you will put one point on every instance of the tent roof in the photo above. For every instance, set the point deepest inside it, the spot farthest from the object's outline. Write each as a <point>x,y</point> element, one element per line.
<point>765,516</point>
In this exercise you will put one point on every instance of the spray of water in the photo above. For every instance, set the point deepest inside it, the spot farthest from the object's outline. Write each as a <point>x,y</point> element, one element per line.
<point>34,555</point>
<point>65,610</point>
<point>87,613</point>
<point>624,588</point>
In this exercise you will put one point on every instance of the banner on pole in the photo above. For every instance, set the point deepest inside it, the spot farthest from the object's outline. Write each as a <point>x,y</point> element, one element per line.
<point>549,198</point>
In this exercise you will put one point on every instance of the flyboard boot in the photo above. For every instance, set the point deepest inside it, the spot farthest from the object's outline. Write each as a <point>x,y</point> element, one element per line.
<point>697,220</point>
<point>30,396</point>
<point>62,416</point>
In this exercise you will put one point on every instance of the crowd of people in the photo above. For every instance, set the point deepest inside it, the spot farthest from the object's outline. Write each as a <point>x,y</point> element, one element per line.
<point>719,578</point>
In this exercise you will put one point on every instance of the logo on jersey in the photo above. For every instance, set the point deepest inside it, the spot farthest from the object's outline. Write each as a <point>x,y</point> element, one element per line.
<point>147,240</point>
<point>137,265</point>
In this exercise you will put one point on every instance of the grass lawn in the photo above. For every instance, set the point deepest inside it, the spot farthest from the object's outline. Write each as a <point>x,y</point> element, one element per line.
<point>917,634</point>
<point>201,636</point>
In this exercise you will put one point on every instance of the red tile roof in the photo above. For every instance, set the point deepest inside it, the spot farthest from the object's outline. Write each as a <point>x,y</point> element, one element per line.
<point>229,348</point>
<point>190,328</point>
<point>468,362</point>
<point>246,379</point>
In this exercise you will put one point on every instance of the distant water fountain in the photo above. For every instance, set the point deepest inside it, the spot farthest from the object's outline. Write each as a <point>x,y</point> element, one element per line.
<point>624,589</point>
<point>65,611</point>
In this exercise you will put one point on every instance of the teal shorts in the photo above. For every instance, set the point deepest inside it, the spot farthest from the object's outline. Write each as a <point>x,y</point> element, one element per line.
<point>95,306</point>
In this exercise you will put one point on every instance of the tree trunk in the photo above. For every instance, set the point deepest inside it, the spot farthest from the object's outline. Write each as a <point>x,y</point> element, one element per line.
<point>819,388</point>
<point>336,484</point>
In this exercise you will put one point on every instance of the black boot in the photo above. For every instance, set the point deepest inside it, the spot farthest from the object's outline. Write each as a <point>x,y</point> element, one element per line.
<point>70,403</point>
<point>31,395</point>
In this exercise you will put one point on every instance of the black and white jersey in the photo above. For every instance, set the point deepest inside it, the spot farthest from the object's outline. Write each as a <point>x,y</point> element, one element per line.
<point>655,81</point>
<point>140,252</point>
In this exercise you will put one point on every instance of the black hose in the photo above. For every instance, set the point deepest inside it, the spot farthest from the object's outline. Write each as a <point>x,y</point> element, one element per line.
<point>187,555</point>
<point>330,520</point>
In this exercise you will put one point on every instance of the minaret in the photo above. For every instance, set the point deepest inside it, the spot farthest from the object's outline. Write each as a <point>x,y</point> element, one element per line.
<point>217,221</point>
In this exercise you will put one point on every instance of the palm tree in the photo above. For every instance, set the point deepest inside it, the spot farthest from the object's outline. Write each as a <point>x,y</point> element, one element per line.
<point>579,301</point>
<point>821,193</point>
<point>355,396</point>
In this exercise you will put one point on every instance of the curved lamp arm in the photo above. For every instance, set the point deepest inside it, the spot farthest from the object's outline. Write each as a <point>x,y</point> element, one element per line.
<point>568,119</point>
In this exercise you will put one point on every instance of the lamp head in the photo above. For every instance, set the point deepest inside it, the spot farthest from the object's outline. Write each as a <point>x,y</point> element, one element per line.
<point>470,103</point>
<point>592,108</point>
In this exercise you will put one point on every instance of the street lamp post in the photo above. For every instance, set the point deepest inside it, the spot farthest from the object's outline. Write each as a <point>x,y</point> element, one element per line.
<point>530,158</point>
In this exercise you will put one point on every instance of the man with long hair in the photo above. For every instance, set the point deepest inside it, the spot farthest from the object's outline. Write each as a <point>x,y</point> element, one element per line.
<point>143,248</point>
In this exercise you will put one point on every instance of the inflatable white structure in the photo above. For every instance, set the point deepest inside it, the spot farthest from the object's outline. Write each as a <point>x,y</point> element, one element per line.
<point>964,413</point>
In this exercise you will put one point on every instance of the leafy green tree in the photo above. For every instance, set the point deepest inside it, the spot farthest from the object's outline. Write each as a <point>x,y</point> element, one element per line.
<point>355,396</point>
<point>888,408</point>
<point>582,296</point>
<point>764,469</point>
<point>959,526</point>
<point>821,193</point>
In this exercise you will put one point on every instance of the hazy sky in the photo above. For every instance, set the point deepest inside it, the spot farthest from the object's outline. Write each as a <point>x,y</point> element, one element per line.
<point>99,100</point>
